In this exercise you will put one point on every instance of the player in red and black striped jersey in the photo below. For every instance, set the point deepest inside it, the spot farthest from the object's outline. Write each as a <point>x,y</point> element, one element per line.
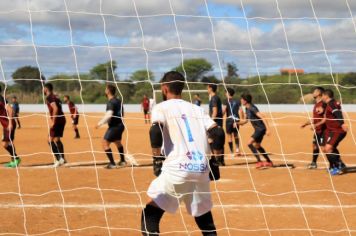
<point>74,114</point>
<point>336,131</point>
<point>57,124</point>
<point>317,125</point>
<point>9,126</point>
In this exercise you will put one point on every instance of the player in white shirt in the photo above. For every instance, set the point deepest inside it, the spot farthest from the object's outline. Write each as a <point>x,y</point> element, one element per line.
<point>182,137</point>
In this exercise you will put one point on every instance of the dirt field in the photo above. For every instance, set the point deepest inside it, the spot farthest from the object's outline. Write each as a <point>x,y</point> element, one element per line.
<point>83,198</point>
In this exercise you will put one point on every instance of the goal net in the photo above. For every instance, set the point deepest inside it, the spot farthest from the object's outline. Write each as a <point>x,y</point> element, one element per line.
<point>277,51</point>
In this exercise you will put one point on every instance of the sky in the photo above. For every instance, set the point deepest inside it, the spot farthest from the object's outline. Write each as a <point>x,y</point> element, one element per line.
<point>259,36</point>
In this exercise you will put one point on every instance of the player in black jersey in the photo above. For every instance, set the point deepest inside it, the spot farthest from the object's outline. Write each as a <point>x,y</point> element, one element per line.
<point>261,127</point>
<point>113,117</point>
<point>215,112</point>
<point>233,111</point>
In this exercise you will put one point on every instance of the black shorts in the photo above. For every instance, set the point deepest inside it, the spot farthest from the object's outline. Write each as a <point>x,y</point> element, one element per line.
<point>146,112</point>
<point>229,126</point>
<point>318,139</point>
<point>258,135</point>
<point>334,138</point>
<point>75,120</point>
<point>114,133</point>
<point>57,130</point>
<point>8,136</point>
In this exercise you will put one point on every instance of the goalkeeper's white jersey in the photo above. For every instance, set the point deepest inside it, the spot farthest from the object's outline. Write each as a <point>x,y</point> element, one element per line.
<point>185,141</point>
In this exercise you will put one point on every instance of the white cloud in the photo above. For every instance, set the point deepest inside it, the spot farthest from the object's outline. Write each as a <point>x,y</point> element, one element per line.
<point>160,34</point>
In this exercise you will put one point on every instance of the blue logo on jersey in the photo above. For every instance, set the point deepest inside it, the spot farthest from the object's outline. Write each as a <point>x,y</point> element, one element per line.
<point>196,157</point>
<point>187,126</point>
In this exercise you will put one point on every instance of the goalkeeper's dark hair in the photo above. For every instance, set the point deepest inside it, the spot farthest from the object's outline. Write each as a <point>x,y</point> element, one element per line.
<point>49,87</point>
<point>231,91</point>
<point>247,97</point>
<point>174,81</point>
<point>329,93</point>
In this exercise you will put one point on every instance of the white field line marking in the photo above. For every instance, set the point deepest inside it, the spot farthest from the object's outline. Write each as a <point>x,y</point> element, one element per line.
<point>130,206</point>
<point>150,167</point>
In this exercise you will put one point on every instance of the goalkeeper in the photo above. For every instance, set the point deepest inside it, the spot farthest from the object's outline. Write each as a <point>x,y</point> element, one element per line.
<point>186,134</point>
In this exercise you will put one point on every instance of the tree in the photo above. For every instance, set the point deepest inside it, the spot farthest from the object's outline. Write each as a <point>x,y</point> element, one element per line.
<point>105,71</point>
<point>210,80</point>
<point>349,79</point>
<point>232,71</point>
<point>141,75</point>
<point>29,78</point>
<point>63,82</point>
<point>195,68</point>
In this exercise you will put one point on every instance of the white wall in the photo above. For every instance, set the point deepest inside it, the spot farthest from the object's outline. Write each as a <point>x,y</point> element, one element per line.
<point>137,108</point>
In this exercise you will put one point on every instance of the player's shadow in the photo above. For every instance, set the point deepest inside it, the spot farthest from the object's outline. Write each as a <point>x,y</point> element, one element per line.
<point>351,169</point>
<point>39,165</point>
<point>243,163</point>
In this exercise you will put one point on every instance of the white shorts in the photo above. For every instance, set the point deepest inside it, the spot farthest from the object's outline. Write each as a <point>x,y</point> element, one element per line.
<point>168,196</point>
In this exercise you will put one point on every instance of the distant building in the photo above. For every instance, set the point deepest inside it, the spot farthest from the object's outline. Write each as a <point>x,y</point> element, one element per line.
<point>286,71</point>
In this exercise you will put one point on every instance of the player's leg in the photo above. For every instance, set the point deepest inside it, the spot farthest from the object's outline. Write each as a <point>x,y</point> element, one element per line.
<point>118,131</point>
<point>254,151</point>
<point>18,121</point>
<point>150,219</point>
<point>331,148</point>
<point>7,143</point>
<point>229,128</point>
<point>145,116</point>
<point>55,151</point>
<point>198,203</point>
<point>106,147</point>
<point>75,127</point>
<point>237,141</point>
<point>120,148</point>
<point>229,140</point>
<point>206,224</point>
<point>316,150</point>
<point>262,151</point>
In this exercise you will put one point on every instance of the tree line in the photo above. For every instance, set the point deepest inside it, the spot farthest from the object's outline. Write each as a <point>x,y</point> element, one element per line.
<point>89,87</point>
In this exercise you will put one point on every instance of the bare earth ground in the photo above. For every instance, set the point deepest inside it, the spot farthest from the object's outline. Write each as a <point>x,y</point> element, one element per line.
<point>86,199</point>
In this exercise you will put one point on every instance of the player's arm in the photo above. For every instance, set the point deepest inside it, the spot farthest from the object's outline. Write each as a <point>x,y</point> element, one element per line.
<point>156,140</point>
<point>308,122</point>
<point>224,107</point>
<point>339,117</point>
<point>55,112</point>
<point>105,119</point>
<point>321,122</point>
<point>9,111</point>
<point>264,120</point>
<point>216,138</point>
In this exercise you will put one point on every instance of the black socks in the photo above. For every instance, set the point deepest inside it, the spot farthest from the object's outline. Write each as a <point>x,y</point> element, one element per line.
<point>206,224</point>
<point>11,149</point>
<point>150,218</point>
<point>315,154</point>
<point>122,155</point>
<point>231,147</point>
<point>254,151</point>
<point>110,156</point>
<point>76,133</point>
<point>60,148</point>
<point>55,151</point>
<point>264,154</point>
